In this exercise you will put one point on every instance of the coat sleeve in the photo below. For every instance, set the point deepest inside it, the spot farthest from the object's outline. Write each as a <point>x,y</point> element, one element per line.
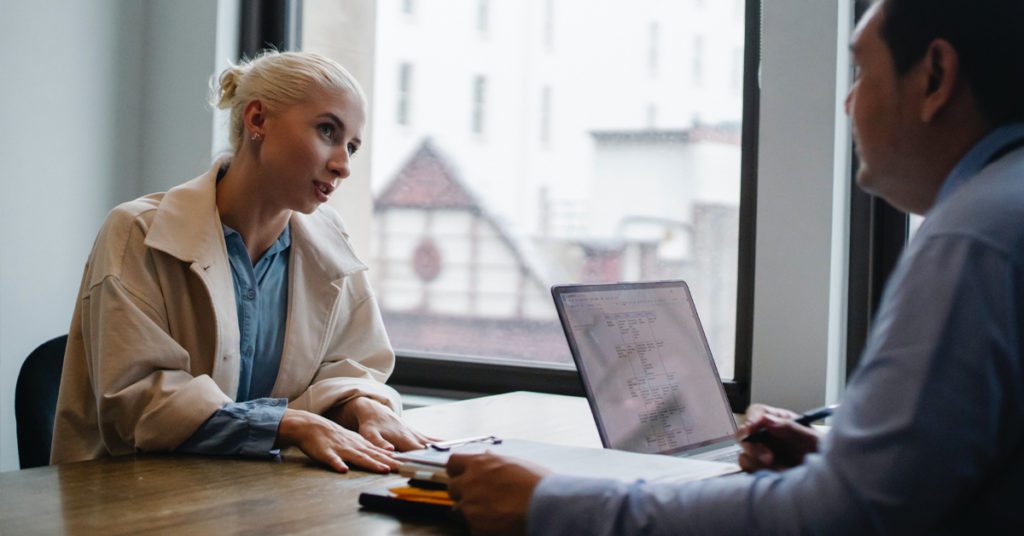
<point>127,384</point>
<point>147,398</point>
<point>358,357</point>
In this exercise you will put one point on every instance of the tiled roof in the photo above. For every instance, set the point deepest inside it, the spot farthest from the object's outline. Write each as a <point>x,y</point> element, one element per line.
<point>427,181</point>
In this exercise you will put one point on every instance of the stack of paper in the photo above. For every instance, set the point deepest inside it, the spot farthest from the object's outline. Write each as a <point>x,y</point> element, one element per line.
<point>428,464</point>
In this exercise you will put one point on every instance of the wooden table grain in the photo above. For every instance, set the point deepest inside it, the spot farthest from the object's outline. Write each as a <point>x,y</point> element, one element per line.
<point>156,494</point>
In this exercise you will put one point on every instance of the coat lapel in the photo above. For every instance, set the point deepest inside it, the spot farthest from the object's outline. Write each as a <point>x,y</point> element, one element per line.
<point>187,227</point>
<point>320,259</point>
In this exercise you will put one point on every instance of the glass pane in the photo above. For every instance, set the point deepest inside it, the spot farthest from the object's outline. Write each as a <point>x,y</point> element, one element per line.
<point>519,144</point>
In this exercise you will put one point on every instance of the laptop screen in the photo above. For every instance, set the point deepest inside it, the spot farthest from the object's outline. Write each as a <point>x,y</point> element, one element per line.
<point>646,365</point>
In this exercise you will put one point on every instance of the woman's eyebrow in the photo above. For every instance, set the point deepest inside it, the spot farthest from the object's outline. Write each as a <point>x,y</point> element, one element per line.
<point>337,120</point>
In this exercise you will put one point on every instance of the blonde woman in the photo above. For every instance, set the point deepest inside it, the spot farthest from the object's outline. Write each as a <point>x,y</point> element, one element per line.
<point>230,315</point>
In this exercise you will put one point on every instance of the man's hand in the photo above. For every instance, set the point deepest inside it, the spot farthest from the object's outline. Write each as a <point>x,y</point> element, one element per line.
<point>378,424</point>
<point>327,442</point>
<point>493,492</point>
<point>787,442</point>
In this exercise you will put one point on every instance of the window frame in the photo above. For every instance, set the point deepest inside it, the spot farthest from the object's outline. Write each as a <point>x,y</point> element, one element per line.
<point>466,376</point>
<point>273,24</point>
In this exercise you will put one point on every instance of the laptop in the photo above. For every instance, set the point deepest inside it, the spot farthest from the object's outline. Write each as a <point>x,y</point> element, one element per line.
<point>647,369</point>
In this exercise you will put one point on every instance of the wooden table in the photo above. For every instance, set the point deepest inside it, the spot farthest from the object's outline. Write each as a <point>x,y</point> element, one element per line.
<point>208,495</point>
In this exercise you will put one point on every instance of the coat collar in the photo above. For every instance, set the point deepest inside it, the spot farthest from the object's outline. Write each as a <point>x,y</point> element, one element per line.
<point>186,225</point>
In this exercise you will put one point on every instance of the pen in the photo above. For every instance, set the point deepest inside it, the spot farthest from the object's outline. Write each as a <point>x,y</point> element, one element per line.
<point>445,446</point>
<point>817,414</point>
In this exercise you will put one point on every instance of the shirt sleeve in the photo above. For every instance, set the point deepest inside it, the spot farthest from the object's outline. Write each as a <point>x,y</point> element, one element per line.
<point>239,428</point>
<point>923,423</point>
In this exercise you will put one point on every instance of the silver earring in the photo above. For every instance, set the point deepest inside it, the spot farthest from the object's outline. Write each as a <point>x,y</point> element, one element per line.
<point>255,136</point>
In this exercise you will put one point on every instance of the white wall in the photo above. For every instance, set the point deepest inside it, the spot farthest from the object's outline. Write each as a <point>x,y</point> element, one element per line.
<point>102,100</point>
<point>799,282</point>
<point>346,32</point>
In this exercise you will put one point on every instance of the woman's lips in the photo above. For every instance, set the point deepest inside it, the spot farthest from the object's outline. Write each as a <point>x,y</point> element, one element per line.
<point>323,190</point>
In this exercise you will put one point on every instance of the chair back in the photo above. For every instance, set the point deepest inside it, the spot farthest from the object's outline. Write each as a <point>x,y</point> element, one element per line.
<point>35,401</point>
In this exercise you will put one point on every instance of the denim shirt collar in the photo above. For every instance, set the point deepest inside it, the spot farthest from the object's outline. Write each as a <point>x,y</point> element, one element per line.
<point>283,240</point>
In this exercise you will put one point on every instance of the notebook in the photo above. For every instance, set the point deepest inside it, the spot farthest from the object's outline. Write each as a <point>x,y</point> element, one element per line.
<point>647,369</point>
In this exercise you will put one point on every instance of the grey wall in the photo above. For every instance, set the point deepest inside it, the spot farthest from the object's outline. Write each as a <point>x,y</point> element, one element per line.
<point>101,101</point>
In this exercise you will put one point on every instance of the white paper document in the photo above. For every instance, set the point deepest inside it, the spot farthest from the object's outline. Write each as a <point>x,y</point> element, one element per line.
<point>583,461</point>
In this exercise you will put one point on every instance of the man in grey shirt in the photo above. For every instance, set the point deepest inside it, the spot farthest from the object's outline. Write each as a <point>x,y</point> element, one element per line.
<point>930,436</point>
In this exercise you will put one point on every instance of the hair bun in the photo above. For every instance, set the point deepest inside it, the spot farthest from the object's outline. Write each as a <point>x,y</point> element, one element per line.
<point>227,85</point>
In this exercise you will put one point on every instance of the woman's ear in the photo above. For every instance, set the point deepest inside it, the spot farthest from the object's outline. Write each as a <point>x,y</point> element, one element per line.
<point>942,69</point>
<point>254,116</point>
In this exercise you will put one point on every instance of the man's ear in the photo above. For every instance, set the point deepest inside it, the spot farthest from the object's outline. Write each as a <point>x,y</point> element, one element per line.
<point>941,66</point>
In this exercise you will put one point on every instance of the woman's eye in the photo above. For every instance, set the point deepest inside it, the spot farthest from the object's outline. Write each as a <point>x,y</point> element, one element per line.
<point>352,148</point>
<point>326,129</point>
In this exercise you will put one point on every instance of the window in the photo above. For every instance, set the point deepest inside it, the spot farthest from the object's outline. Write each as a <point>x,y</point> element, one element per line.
<point>479,103</point>
<point>471,226</point>
<point>549,25</point>
<point>545,116</point>
<point>736,76</point>
<point>483,14</point>
<point>652,51</point>
<point>404,93</point>
<point>698,61</point>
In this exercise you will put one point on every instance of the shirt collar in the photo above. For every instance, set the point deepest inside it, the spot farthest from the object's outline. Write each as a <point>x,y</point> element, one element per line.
<point>979,156</point>
<point>283,240</point>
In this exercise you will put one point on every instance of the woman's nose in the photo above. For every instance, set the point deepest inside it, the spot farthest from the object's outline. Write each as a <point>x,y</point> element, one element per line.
<point>338,164</point>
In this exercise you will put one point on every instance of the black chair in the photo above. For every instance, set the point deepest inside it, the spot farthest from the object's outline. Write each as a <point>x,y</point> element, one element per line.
<point>35,401</point>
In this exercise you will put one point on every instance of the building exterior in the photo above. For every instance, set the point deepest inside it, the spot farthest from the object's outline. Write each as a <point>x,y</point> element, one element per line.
<point>517,144</point>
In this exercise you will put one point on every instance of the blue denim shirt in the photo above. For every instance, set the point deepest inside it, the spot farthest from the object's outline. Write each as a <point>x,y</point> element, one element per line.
<point>249,425</point>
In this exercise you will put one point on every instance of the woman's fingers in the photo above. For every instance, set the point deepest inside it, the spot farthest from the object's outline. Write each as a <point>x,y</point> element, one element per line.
<point>371,460</point>
<point>361,451</point>
<point>375,438</point>
<point>336,463</point>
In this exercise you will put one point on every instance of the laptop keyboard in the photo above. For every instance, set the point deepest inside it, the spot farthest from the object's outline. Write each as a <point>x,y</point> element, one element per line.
<point>726,455</point>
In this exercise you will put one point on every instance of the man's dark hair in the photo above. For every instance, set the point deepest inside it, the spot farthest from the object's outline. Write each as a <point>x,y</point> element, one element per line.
<point>987,35</point>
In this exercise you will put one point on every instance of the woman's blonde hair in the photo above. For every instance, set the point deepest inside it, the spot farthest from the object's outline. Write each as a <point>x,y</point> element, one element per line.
<point>278,79</point>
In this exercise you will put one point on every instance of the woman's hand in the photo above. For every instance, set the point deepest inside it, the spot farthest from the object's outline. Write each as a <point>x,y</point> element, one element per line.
<point>378,424</point>
<point>326,442</point>
<point>786,445</point>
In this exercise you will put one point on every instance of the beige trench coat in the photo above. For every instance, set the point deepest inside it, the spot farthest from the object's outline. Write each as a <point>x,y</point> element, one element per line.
<point>153,348</point>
